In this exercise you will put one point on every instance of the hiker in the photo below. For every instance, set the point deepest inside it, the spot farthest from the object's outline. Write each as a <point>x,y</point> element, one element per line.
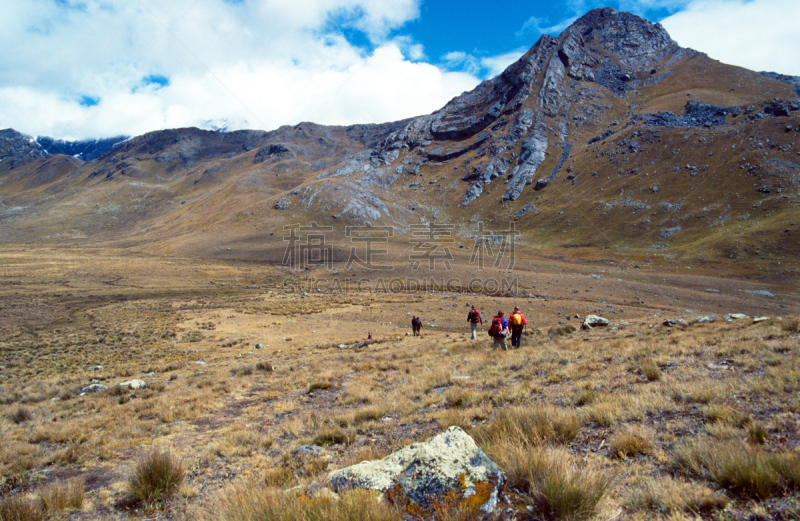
<point>498,331</point>
<point>473,317</point>
<point>416,325</point>
<point>517,322</point>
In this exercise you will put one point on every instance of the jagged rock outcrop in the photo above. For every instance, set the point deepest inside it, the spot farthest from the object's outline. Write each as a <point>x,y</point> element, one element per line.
<point>17,148</point>
<point>616,50</point>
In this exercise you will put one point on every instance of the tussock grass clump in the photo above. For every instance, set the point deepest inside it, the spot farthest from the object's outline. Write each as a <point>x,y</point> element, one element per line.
<point>21,415</point>
<point>631,441</point>
<point>791,325</point>
<point>557,486</point>
<point>649,370</point>
<point>756,434</point>
<point>62,495</point>
<point>460,397</point>
<point>319,386</point>
<point>436,379</point>
<point>294,467</point>
<point>667,495</point>
<point>242,443</point>
<point>333,436</point>
<point>787,464</point>
<point>727,415</point>
<point>247,503</point>
<point>733,465</point>
<point>604,413</point>
<point>16,508</point>
<point>585,397</point>
<point>265,366</point>
<point>369,414</point>
<point>564,330</point>
<point>530,426</point>
<point>192,336</point>
<point>157,476</point>
<point>242,370</point>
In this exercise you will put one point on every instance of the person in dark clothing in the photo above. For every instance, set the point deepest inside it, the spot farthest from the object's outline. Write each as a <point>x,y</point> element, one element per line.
<point>416,325</point>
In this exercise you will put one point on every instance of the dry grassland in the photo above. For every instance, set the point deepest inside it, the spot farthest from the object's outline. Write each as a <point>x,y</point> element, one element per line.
<point>636,421</point>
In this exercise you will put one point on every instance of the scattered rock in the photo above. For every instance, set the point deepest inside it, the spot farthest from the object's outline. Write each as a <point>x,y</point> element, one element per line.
<point>134,384</point>
<point>317,491</point>
<point>592,321</point>
<point>308,449</point>
<point>449,467</point>
<point>675,322</point>
<point>760,319</point>
<point>259,346</point>
<point>735,316</point>
<point>92,389</point>
<point>96,368</point>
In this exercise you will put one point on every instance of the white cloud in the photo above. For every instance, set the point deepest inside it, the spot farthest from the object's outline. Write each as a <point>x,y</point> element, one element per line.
<point>762,35</point>
<point>534,25</point>
<point>497,64</point>
<point>256,64</point>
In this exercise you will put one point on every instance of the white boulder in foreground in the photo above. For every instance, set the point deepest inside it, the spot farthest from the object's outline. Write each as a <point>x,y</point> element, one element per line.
<point>449,468</point>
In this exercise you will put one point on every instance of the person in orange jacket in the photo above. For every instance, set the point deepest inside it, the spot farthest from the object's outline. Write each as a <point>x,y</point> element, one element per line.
<point>517,323</point>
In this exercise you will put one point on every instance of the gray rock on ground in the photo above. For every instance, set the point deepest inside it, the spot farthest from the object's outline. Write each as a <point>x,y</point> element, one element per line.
<point>134,384</point>
<point>91,389</point>
<point>424,473</point>
<point>592,321</point>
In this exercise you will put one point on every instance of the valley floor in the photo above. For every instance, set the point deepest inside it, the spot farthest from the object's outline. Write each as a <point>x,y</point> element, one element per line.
<point>245,363</point>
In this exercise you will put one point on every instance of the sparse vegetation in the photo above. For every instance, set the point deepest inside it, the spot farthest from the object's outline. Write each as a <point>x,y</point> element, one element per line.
<point>16,508</point>
<point>253,502</point>
<point>632,441</point>
<point>58,496</point>
<point>722,390</point>
<point>558,487</point>
<point>157,476</point>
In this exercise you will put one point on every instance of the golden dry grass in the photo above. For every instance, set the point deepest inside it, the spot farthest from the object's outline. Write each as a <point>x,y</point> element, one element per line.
<point>618,400</point>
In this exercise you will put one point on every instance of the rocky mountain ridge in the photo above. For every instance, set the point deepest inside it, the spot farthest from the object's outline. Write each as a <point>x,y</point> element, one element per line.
<point>609,135</point>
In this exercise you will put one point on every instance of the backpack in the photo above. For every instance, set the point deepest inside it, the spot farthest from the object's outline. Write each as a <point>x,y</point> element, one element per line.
<point>516,319</point>
<point>496,327</point>
<point>474,316</point>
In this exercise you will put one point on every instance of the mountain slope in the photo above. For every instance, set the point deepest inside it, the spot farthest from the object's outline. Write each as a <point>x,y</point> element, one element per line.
<point>610,136</point>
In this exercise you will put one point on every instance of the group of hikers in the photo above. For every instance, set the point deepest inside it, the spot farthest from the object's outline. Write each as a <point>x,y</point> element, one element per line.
<point>499,329</point>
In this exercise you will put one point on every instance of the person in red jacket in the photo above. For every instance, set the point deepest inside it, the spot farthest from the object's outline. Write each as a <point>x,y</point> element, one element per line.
<point>517,323</point>
<point>474,317</point>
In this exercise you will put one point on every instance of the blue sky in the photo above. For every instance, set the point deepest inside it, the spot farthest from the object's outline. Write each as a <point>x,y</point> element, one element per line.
<point>98,68</point>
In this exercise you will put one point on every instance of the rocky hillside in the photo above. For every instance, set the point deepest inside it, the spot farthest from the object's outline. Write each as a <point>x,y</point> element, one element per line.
<point>607,137</point>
